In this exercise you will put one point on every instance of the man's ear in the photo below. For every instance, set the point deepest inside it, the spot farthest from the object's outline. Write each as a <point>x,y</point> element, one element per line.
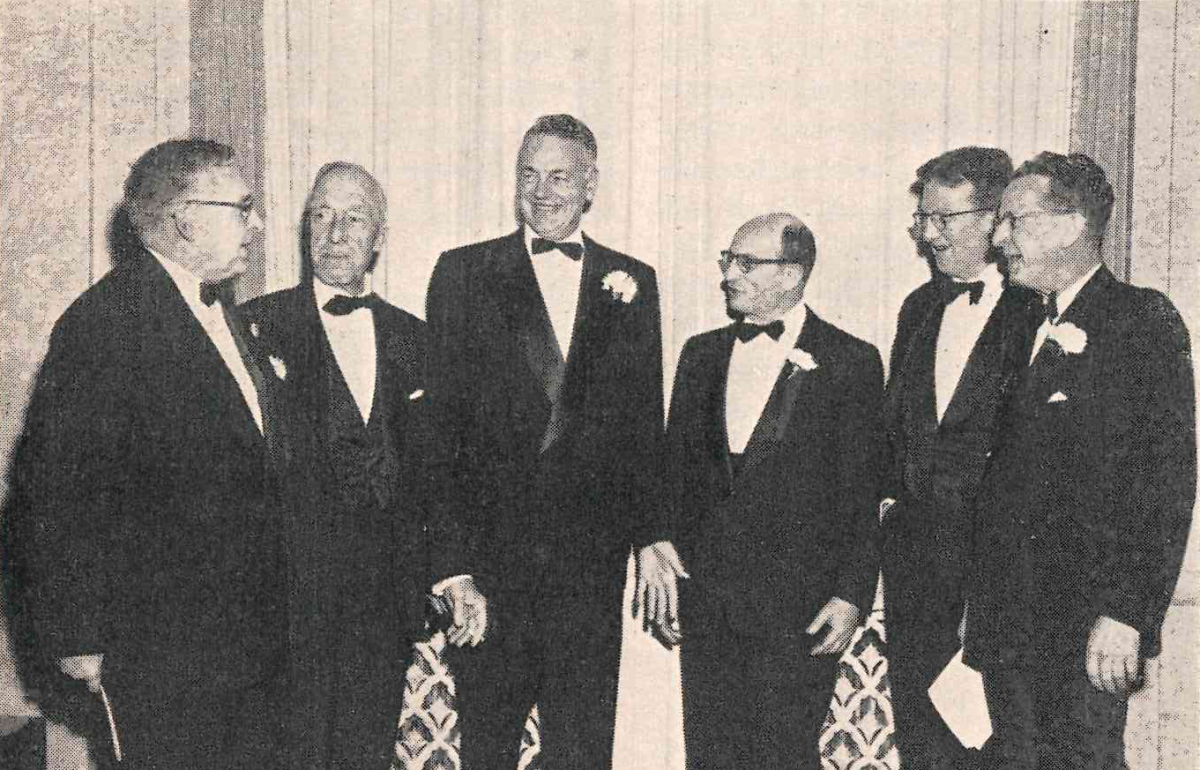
<point>380,239</point>
<point>183,226</point>
<point>592,182</point>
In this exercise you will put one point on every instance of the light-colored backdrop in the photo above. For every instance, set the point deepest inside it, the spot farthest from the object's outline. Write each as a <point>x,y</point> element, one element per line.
<point>707,113</point>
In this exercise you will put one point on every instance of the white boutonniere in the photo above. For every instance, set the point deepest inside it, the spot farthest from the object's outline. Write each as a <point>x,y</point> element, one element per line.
<point>254,330</point>
<point>621,286</point>
<point>1069,337</point>
<point>279,366</point>
<point>801,360</point>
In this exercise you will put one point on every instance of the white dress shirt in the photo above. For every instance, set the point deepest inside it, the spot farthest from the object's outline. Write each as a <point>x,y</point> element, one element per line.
<point>1063,301</point>
<point>352,338</point>
<point>961,326</point>
<point>212,319</point>
<point>754,367</point>
<point>558,277</point>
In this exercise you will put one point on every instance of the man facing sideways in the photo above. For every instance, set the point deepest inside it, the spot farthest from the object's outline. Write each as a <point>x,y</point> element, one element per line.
<point>1082,516</point>
<point>549,347</point>
<point>772,453</point>
<point>143,523</point>
<point>360,566</point>
<point>959,339</point>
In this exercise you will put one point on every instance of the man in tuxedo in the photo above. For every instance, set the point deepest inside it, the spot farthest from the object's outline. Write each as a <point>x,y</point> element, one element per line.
<point>773,442</point>
<point>548,347</point>
<point>360,568</point>
<point>959,339</point>
<point>1083,513</point>
<point>142,527</point>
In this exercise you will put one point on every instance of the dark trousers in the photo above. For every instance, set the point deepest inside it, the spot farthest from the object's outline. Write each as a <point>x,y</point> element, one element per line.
<point>562,657</point>
<point>168,728</point>
<point>752,703</point>
<point>1048,717</point>
<point>923,607</point>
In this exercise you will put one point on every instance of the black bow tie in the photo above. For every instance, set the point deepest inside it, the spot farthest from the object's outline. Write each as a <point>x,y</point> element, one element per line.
<point>1050,305</point>
<point>952,290</point>
<point>747,331</point>
<point>572,250</point>
<point>341,304</point>
<point>219,291</point>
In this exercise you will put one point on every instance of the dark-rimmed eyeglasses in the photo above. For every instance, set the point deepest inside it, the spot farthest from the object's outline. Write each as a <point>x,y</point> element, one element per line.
<point>939,218</point>
<point>245,206</point>
<point>747,262</point>
<point>1015,219</point>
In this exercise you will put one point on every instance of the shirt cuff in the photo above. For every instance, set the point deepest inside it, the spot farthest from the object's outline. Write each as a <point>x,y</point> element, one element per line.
<point>441,586</point>
<point>884,506</point>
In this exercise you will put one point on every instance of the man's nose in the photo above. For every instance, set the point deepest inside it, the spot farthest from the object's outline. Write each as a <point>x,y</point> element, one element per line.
<point>929,230</point>
<point>1002,232</point>
<point>255,222</point>
<point>337,232</point>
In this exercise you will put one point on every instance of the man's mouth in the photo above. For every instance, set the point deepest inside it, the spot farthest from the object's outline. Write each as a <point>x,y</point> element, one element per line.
<point>938,248</point>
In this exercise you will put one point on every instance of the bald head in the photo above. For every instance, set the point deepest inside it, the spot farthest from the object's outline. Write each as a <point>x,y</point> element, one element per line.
<point>767,266</point>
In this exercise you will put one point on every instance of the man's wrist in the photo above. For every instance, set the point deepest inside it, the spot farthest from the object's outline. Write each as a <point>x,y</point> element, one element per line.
<point>441,586</point>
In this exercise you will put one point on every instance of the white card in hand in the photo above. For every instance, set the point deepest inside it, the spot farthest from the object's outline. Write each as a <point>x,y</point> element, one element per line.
<point>957,694</point>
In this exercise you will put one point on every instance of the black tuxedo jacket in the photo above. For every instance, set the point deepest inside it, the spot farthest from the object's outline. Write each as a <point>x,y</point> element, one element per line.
<point>1085,508</point>
<point>572,511</point>
<point>143,516</point>
<point>388,549</point>
<point>797,525</point>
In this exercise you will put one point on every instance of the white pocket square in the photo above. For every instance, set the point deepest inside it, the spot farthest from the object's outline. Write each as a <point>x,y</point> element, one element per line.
<point>415,395</point>
<point>1057,397</point>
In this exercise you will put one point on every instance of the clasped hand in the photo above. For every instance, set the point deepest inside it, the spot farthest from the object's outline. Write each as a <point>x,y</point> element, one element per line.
<point>1113,659</point>
<point>470,614</point>
<point>656,592</point>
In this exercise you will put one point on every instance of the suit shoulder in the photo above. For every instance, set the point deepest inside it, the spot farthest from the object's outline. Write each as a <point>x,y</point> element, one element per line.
<point>269,305</point>
<point>471,252</point>
<point>111,300</point>
<point>402,321</point>
<point>1149,311</point>
<point>637,269</point>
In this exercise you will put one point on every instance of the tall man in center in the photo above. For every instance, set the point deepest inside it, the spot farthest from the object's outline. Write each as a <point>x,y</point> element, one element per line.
<point>549,347</point>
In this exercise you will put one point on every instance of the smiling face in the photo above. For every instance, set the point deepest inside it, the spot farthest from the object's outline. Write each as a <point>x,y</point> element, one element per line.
<point>345,230</point>
<point>556,179</point>
<point>960,249</point>
<point>1035,238</point>
<point>762,292</point>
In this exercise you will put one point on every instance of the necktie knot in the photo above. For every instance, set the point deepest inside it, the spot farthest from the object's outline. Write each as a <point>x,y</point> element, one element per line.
<point>571,250</point>
<point>216,291</point>
<point>747,331</point>
<point>952,290</point>
<point>341,304</point>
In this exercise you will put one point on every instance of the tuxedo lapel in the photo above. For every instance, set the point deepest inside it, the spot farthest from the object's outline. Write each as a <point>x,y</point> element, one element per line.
<point>594,318</point>
<point>195,352</point>
<point>1088,312</point>
<point>521,299</point>
<point>717,433</point>
<point>791,383</point>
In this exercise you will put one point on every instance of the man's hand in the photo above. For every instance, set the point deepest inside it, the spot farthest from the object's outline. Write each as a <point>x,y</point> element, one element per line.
<point>656,591</point>
<point>1112,656</point>
<point>842,619</point>
<point>470,612</point>
<point>85,668</point>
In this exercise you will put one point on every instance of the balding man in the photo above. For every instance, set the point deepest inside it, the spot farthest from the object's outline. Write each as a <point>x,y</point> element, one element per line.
<point>772,445</point>
<point>142,523</point>
<point>360,568</point>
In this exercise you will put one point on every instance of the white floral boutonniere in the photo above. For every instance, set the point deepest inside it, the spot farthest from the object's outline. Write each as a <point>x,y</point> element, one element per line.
<point>621,286</point>
<point>279,366</point>
<point>801,360</point>
<point>254,330</point>
<point>1069,337</point>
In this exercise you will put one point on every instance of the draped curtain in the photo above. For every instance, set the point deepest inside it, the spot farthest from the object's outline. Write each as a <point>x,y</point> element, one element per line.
<point>706,114</point>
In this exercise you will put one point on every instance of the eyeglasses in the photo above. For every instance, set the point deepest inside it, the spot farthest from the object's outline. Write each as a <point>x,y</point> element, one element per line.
<point>244,206</point>
<point>939,217</point>
<point>746,262</point>
<point>1014,219</point>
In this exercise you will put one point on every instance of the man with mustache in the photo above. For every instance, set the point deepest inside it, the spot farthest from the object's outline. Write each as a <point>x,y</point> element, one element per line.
<point>1083,514</point>
<point>142,529</point>
<point>357,532</point>
<point>959,339</point>
<point>772,451</point>
<point>548,347</point>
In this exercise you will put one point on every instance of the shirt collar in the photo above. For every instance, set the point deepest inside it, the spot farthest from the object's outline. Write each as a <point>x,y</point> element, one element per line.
<point>1065,297</point>
<point>323,292</point>
<point>793,324</point>
<point>529,234</point>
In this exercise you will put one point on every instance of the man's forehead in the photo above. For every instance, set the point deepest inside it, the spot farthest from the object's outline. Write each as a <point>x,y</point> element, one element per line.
<point>936,190</point>
<point>343,187</point>
<point>221,181</point>
<point>757,239</point>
